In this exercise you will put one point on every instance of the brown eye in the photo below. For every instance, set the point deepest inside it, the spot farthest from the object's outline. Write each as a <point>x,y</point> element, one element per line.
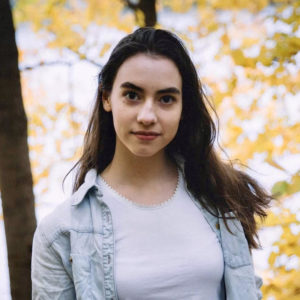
<point>131,96</point>
<point>167,99</point>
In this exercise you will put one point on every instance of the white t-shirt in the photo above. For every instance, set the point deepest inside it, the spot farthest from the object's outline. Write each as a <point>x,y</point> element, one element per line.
<point>166,251</point>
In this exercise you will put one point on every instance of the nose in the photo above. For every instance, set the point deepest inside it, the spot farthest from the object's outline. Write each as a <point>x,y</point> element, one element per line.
<point>146,114</point>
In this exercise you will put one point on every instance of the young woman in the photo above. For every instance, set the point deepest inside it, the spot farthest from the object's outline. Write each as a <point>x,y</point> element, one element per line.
<point>155,213</point>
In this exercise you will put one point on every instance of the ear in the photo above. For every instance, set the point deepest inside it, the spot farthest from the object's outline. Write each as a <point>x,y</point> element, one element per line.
<point>106,101</point>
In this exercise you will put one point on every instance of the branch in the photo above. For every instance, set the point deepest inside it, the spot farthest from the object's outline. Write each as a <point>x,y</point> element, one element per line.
<point>131,5</point>
<point>43,64</point>
<point>53,63</point>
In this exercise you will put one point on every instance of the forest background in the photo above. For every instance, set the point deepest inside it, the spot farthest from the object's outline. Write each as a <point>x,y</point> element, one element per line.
<point>247,54</point>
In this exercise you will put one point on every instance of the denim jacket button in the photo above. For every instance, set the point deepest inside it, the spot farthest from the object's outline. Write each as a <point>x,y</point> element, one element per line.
<point>217,226</point>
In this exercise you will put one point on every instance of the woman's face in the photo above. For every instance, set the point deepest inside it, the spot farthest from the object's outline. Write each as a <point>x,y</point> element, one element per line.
<point>146,104</point>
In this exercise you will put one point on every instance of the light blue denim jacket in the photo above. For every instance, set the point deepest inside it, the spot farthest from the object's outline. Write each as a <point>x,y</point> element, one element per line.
<point>73,251</point>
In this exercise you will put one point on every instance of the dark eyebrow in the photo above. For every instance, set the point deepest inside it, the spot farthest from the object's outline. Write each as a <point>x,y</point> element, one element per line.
<point>132,86</point>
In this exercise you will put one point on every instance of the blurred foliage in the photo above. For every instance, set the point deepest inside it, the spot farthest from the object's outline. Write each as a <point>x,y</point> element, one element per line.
<point>262,74</point>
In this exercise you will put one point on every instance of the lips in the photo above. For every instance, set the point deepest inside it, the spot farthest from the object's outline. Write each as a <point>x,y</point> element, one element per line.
<point>146,133</point>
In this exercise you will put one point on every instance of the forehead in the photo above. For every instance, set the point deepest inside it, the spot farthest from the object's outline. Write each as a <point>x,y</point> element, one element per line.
<point>149,71</point>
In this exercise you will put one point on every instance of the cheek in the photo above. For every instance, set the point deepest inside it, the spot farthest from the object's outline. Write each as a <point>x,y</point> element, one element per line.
<point>177,122</point>
<point>172,123</point>
<point>121,120</point>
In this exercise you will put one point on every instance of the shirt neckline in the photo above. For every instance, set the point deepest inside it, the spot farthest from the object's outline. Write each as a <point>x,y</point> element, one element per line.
<point>139,205</point>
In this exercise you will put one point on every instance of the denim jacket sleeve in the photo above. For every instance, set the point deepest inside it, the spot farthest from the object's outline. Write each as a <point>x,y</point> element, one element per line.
<point>50,279</point>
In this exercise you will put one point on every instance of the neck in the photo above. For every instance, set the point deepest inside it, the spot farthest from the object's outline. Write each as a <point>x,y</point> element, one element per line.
<point>138,170</point>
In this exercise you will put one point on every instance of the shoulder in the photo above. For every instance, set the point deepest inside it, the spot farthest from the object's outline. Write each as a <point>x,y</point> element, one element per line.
<point>55,223</point>
<point>64,219</point>
<point>73,215</point>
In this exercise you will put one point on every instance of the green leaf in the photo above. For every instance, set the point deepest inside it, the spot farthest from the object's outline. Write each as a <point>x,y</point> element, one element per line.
<point>279,188</point>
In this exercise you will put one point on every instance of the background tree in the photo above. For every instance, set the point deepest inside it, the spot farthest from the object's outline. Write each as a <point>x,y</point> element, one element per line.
<point>15,172</point>
<point>145,11</point>
<point>247,55</point>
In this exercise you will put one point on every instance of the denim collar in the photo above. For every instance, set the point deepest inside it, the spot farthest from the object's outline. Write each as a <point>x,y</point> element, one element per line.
<point>90,181</point>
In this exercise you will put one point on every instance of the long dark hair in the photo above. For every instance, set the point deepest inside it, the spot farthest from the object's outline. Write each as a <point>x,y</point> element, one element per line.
<point>215,184</point>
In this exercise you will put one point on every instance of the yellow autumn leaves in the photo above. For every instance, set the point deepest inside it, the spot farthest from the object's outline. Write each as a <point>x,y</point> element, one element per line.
<point>259,42</point>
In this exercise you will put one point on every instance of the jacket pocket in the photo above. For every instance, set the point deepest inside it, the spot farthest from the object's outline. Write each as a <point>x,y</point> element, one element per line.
<point>81,269</point>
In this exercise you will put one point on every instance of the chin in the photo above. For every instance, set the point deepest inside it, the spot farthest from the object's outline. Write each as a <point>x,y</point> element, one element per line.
<point>144,153</point>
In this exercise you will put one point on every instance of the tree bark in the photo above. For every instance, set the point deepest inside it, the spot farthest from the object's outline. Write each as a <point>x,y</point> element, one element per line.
<point>15,173</point>
<point>149,11</point>
<point>148,8</point>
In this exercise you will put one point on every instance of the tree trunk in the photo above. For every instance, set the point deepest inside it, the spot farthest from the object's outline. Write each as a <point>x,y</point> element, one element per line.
<point>148,9</point>
<point>15,173</point>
